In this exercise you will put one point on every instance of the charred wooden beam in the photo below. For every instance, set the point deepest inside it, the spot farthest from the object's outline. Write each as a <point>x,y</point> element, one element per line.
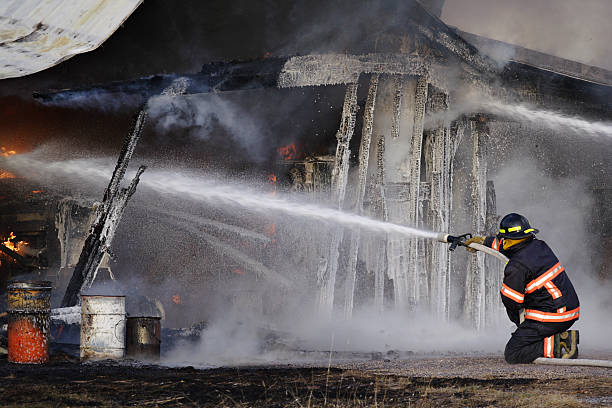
<point>375,205</point>
<point>402,165</point>
<point>108,215</point>
<point>438,157</point>
<point>419,291</point>
<point>18,258</point>
<point>112,222</point>
<point>364,158</point>
<point>110,211</point>
<point>343,152</point>
<point>339,180</point>
<point>380,272</point>
<point>214,77</point>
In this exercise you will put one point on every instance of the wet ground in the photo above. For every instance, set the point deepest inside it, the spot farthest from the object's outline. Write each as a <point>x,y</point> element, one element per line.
<point>419,382</point>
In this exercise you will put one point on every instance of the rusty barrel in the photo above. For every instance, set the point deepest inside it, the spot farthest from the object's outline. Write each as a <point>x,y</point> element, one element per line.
<point>143,338</point>
<point>29,308</point>
<point>102,327</point>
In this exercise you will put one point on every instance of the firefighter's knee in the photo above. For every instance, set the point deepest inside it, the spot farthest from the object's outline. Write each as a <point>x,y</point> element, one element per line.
<point>511,355</point>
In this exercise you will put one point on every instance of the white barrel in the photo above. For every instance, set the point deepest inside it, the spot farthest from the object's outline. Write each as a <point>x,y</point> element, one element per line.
<point>102,327</point>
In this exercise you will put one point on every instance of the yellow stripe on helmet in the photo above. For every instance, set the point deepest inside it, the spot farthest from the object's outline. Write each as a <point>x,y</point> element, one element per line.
<point>503,231</point>
<point>518,228</point>
<point>527,231</point>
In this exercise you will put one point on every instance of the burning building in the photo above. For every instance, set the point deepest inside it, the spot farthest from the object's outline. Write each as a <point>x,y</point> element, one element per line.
<point>415,118</point>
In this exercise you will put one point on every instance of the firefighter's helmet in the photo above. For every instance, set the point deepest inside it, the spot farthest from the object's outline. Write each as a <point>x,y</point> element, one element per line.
<point>515,226</point>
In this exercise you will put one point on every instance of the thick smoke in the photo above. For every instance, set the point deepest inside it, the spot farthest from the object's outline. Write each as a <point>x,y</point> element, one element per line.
<point>201,115</point>
<point>235,338</point>
<point>578,31</point>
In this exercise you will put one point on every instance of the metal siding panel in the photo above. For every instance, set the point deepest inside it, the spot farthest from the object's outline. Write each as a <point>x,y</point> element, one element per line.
<point>38,34</point>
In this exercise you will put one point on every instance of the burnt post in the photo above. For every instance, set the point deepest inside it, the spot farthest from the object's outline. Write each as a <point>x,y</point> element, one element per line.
<point>364,157</point>
<point>401,121</point>
<point>108,215</point>
<point>339,180</point>
<point>110,211</point>
<point>438,158</point>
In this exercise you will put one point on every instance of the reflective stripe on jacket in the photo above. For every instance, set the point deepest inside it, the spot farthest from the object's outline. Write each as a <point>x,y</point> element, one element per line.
<point>536,281</point>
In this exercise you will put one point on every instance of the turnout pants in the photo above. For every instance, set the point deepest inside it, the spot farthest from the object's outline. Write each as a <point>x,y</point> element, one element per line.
<point>527,342</point>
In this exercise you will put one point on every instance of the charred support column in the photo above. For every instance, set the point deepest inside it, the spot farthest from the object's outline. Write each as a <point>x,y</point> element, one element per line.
<point>364,157</point>
<point>417,277</point>
<point>380,272</point>
<point>374,246</point>
<point>455,284</point>
<point>475,286</point>
<point>391,192</point>
<point>438,158</point>
<point>398,131</point>
<point>339,179</point>
<point>108,215</point>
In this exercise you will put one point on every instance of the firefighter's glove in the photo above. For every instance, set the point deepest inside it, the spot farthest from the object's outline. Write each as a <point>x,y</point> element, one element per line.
<point>474,240</point>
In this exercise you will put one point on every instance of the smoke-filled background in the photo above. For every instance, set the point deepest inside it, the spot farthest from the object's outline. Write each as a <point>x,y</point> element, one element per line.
<point>540,170</point>
<point>571,29</point>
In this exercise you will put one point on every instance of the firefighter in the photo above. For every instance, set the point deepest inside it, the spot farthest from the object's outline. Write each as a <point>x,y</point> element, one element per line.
<point>537,288</point>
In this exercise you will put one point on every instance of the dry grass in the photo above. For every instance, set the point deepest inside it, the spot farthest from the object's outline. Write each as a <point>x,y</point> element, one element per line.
<point>478,396</point>
<point>288,387</point>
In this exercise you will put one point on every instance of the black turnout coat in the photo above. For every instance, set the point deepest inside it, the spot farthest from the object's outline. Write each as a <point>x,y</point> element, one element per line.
<point>536,281</point>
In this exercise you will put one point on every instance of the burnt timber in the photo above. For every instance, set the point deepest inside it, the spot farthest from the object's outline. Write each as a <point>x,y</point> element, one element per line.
<point>108,215</point>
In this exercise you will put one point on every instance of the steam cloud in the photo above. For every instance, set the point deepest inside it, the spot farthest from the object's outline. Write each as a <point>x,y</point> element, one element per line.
<point>201,115</point>
<point>561,209</point>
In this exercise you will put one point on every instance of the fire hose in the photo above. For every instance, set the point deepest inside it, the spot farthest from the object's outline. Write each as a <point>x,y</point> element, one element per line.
<point>455,241</point>
<point>460,240</point>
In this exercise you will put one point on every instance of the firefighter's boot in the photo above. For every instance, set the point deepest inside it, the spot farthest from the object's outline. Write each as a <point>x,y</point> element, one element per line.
<point>566,344</point>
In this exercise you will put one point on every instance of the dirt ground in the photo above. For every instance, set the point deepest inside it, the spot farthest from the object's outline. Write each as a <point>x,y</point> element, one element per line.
<point>418,382</point>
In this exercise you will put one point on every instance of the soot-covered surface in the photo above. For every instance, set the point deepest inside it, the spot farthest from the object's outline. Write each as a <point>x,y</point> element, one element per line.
<point>384,383</point>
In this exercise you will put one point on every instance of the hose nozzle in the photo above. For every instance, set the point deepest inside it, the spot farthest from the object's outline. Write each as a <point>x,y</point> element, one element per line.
<point>454,241</point>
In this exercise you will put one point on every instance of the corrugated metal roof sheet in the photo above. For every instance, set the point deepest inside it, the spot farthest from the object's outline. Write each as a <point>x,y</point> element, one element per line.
<point>37,34</point>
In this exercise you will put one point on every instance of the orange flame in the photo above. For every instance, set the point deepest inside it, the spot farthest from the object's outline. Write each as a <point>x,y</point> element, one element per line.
<point>37,191</point>
<point>289,152</point>
<point>14,246</point>
<point>239,271</point>
<point>6,152</point>
<point>6,175</point>
<point>272,180</point>
<point>176,299</point>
